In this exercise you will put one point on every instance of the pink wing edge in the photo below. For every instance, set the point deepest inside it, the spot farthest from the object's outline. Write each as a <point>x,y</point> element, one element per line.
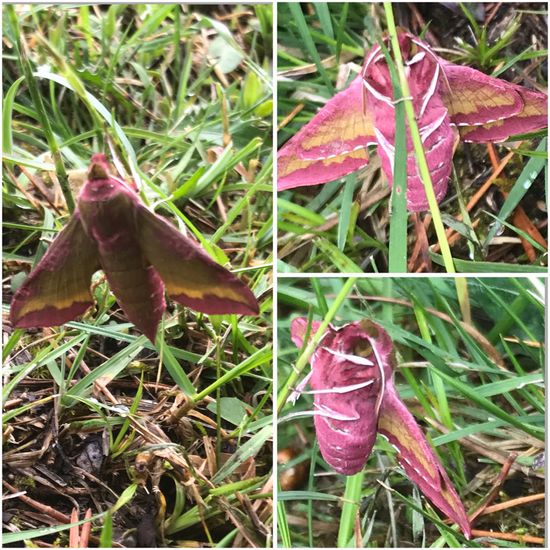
<point>320,168</point>
<point>57,255</point>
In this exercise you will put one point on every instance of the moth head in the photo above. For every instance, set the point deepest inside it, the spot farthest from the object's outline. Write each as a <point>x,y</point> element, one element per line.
<point>102,186</point>
<point>99,167</point>
<point>375,344</point>
<point>406,45</point>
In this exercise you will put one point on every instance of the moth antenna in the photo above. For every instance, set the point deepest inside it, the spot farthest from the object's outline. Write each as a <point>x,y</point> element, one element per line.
<point>440,71</point>
<point>401,99</point>
<point>415,58</point>
<point>368,59</point>
<point>123,182</point>
<point>437,59</point>
<point>378,95</point>
<point>293,397</point>
<point>382,380</point>
<point>327,412</point>
<point>333,415</point>
<point>428,50</point>
<point>341,389</point>
<point>431,91</point>
<point>355,359</point>
<point>372,58</point>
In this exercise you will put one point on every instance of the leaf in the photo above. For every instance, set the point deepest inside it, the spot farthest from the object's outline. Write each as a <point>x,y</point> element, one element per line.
<point>227,58</point>
<point>233,410</point>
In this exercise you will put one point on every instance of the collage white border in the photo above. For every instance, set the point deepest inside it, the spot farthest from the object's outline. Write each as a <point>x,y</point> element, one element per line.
<point>276,275</point>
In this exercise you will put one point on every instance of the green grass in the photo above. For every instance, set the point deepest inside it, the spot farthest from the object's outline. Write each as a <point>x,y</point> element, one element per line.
<point>315,42</point>
<point>180,98</point>
<point>477,390</point>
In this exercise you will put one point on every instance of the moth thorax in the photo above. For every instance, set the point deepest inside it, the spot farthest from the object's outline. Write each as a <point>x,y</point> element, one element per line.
<point>108,217</point>
<point>102,190</point>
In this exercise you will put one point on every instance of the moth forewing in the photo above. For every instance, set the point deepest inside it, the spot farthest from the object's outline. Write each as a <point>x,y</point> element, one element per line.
<point>418,459</point>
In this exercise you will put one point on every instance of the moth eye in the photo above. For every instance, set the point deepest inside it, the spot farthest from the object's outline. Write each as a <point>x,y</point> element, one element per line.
<point>370,328</point>
<point>363,349</point>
